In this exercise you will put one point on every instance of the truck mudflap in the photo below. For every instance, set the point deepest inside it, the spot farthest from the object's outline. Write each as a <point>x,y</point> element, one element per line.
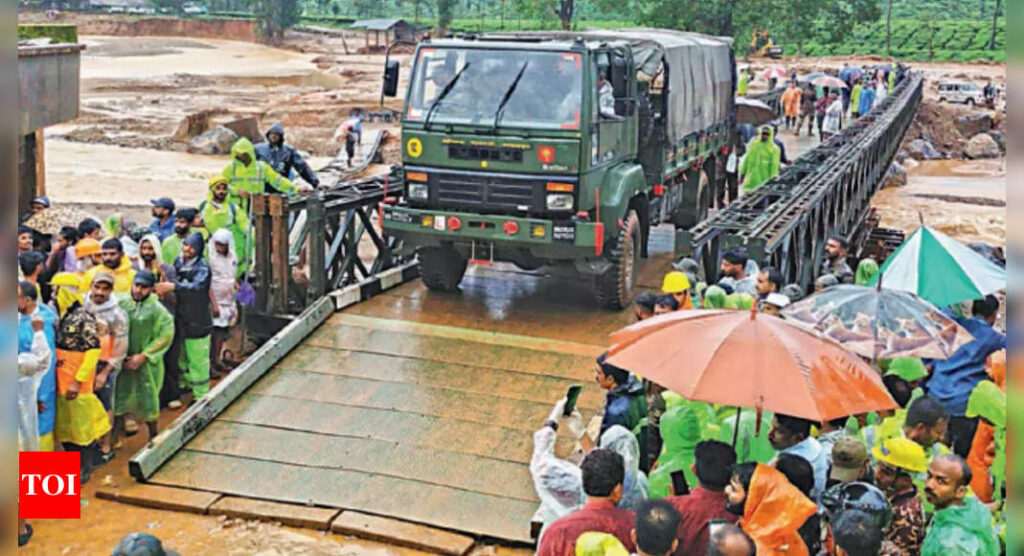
<point>442,225</point>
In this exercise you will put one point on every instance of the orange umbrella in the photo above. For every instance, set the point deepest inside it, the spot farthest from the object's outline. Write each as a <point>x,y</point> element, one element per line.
<point>750,360</point>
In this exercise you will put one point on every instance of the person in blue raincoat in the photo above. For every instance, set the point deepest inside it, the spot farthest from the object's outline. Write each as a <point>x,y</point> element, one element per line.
<point>29,308</point>
<point>284,157</point>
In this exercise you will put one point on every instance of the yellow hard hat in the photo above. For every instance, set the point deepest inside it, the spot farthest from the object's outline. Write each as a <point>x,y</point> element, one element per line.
<point>903,453</point>
<point>675,282</point>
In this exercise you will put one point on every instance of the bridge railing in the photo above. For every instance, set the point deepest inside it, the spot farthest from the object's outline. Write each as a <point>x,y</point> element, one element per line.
<point>309,245</point>
<point>827,191</point>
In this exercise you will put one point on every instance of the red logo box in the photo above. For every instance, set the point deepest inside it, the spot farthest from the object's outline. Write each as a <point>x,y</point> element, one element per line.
<point>49,485</point>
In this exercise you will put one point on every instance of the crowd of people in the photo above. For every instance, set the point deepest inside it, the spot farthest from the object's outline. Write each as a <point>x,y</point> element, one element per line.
<point>671,476</point>
<point>760,154</point>
<point>117,321</point>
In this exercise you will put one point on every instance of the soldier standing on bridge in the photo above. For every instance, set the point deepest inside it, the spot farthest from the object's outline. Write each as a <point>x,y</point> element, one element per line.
<point>283,157</point>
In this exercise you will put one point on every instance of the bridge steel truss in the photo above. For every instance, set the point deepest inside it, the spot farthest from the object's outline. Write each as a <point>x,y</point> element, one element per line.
<point>332,235</point>
<point>827,191</point>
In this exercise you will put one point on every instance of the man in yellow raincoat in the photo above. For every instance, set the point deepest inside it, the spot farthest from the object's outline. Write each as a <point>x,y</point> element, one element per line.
<point>81,419</point>
<point>116,263</point>
<point>247,176</point>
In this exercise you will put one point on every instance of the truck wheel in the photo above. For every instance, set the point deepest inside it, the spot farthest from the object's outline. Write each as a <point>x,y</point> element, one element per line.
<point>614,288</point>
<point>441,268</point>
<point>696,201</point>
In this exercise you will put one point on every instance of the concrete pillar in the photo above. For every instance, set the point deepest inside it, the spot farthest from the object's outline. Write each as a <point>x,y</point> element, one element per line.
<point>27,169</point>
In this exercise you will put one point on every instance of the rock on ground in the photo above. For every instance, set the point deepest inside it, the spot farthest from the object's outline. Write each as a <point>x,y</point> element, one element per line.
<point>921,149</point>
<point>982,146</point>
<point>896,176</point>
<point>973,124</point>
<point>216,141</point>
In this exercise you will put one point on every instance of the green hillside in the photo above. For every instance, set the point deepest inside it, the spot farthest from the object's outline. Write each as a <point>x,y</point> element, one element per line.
<point>917,40</point>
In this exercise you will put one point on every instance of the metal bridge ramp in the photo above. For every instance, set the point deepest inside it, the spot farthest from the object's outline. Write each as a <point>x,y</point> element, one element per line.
<point>412,405</point>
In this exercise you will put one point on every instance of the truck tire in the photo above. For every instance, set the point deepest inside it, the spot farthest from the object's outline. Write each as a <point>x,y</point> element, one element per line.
<point>614,288</point>
<point>441,268</point>
<point>696,202</point>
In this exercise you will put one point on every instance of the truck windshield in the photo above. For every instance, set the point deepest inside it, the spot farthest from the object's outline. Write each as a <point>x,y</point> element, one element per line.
<point>547,96</point>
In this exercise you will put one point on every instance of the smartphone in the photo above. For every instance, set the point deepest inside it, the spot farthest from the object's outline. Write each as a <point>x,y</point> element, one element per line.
<point>571,396</point>
<point>679,485</point>
<point>714,525</point>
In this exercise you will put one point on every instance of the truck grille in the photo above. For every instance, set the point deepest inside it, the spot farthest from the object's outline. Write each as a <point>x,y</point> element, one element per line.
<point>493,192</point>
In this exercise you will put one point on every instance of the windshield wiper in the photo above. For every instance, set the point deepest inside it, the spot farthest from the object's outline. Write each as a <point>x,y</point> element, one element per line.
<point>508,94</point>
<point>444,92</point>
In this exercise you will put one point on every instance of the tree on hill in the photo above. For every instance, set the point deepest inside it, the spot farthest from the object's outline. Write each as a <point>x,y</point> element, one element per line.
<point>275,16</point>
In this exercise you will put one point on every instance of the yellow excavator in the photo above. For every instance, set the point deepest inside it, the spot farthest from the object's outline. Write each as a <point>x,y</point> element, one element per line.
<point>762,45</point>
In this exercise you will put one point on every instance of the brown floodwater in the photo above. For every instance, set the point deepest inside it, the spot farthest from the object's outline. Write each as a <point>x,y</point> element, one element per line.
<point>959,198</point>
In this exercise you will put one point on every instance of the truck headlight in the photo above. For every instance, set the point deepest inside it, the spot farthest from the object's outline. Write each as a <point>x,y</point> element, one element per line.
<point>418,191</point>
<point>559,201</point>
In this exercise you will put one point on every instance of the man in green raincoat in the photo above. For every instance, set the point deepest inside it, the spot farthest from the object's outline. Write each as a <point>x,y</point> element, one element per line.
<point>219,212</point>
<point>762,160</point>
<point>247,176</point>
<point>680,433</point>
<point>961,526</point>
<point>150,334</point>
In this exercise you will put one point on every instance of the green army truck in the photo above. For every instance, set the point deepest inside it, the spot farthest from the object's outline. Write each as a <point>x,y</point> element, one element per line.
<point>559,148</point>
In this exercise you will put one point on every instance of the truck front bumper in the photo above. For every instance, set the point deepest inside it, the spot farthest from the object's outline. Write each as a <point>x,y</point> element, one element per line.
<point>545,238</point>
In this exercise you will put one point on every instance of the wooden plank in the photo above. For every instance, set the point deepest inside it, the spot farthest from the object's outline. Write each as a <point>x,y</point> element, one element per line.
<point>401,533</point>
<point>161,497</point>
<point>405,461</point>
<point>292,515</point>
<point>451,350</point>
<point>478,335</point>
<point>419,399</point>
<point>470,378</point>
<point>149,459</point>
<point>432,433</point>
<point>434,505</point>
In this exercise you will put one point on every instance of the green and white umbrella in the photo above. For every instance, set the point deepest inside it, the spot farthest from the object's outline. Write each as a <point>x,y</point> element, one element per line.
<point>940,270</point>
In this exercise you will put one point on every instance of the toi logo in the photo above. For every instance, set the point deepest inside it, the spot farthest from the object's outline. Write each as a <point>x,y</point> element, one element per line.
<point>48,485</point>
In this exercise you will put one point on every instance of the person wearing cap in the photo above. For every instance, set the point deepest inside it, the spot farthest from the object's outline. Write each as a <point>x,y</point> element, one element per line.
<point>150,335</point>
<point>625,403</point>
<point>897,460</point>
<point>762,161</point>
<point>192,288</point>
<point>219,213</point>
<point>284,158</point>
<point>40,203</point>
<point>733,270</point>
<point>171,245</point>
<point>677,285</point>
<point>163,217</point>
<point>81,419</point>
<point>112,325</point>
<point>850,462</point>
<point>141,544</point>
<point>773,304</point>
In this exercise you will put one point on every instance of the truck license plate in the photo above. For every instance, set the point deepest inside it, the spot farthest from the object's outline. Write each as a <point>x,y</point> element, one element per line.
<point>400,217</point>
<point>439,222</point>
<point>564,232</point>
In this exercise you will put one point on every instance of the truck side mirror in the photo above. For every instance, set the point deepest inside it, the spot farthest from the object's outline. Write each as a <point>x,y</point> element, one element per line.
<point>620,83</point>
<point>391,78</point>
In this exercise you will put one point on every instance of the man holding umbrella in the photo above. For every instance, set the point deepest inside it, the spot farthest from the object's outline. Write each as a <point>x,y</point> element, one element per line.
<point>953,379</point>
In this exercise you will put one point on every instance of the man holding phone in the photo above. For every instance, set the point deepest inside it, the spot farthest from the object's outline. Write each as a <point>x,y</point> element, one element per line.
<point>707,501</point>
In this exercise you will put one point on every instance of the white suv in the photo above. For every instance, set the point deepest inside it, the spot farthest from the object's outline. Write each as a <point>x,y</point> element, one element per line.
<point>958,91</point>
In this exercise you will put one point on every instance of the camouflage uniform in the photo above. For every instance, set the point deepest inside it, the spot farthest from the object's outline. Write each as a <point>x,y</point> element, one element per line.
<point>907,529</point>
